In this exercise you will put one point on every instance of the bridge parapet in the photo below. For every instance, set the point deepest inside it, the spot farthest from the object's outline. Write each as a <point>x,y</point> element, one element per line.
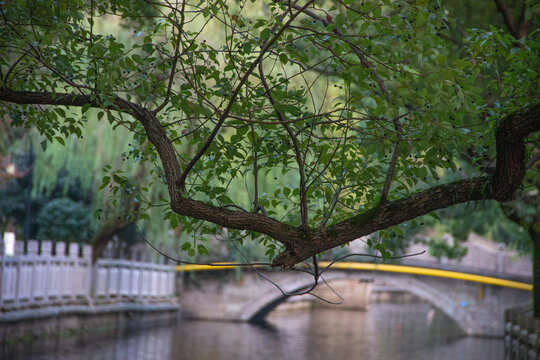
<point>482,255</point>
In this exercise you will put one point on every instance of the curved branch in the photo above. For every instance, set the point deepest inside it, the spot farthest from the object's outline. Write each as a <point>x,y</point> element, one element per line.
<point>153,128</point>
<point>239,220</point>
<point>508,176</point>
<point>63,99</point>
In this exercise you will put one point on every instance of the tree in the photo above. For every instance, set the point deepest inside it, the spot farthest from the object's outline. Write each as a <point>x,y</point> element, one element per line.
<point>523,209</point>
<point>362,104</point>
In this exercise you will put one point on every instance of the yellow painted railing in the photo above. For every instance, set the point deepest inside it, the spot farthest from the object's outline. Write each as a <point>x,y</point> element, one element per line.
<point>204,267</point>
<point>392,268</point>
<point>429,272</point>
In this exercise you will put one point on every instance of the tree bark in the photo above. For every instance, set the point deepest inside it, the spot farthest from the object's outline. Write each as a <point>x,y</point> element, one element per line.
<point>535,237</point>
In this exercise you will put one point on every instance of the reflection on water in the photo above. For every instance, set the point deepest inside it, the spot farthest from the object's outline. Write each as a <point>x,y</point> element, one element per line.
<point>386,331</point>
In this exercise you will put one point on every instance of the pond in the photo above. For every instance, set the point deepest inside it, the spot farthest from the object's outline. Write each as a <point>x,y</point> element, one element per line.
<point>386,331</point>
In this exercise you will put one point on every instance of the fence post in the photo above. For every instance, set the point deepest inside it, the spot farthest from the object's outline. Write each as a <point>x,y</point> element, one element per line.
<point>74,265</point>
<point>86,272</point>
<point>33,247</point>
<point>2,266</point>
<point>61,269</point>
<point>19,252</point>
<point>159,269</point>
<point>501,253</point>
<point>46,253</point>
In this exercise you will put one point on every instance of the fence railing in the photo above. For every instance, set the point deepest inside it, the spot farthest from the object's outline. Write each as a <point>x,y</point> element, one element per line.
<point>133,279</point>
<point>61,274</point>
<point>521,334</point>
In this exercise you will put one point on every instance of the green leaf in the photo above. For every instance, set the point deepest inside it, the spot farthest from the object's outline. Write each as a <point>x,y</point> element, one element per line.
<point>265,34</point>
<point>173,220</point>
<point>60,140</point>
<point>137,58</point>
<point>435,216</point>
<point>105,181</point>
<point>60,112</point>
<point>202,250</point>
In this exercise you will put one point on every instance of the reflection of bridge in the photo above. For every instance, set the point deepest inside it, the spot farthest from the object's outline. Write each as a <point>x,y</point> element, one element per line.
<point>475,301</point>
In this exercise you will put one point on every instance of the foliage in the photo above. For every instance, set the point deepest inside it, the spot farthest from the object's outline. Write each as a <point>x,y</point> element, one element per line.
<point>13,205</point>
<point>354,109</point>
<point>61,214</point>
<point>64,220</point>
<point>486,219</point>
<point>442,248</point>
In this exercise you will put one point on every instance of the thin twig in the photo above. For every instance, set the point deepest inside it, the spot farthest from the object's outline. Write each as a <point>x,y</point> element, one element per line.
<point>175,60</point>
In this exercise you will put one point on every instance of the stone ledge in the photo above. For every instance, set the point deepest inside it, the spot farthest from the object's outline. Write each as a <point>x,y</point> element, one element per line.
<point>39,328</point>
<point>54,311</point>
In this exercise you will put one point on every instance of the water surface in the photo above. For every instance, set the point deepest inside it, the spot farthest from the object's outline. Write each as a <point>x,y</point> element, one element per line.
<point>386,331</point>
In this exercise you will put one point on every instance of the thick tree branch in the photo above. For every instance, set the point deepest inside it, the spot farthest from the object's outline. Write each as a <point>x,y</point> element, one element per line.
<point>153,128</point>
<point>240,220</point>
<point>183,206</point>
<point>508,176</point>
<point>62,99</point>
<point>510,146</point>
<point>524,25</point>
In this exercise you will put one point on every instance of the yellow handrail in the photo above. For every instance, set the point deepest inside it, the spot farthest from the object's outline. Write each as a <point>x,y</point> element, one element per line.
<point>390,268</point>
<point>429,272</point>
<point>197,267</point>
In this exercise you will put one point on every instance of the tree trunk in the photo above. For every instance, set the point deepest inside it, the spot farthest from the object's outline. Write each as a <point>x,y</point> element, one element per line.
<point>535,237</point>
<point>104,235</point>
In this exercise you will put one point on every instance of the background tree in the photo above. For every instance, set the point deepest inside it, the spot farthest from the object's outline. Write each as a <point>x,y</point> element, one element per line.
<point>517,17</point>
<point>356,110</point>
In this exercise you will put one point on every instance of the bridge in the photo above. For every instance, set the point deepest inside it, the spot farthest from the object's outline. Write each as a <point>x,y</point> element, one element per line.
<point>474,300</point>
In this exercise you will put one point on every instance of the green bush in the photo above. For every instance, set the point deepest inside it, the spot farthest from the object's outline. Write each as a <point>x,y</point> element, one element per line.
<point>64,220</point>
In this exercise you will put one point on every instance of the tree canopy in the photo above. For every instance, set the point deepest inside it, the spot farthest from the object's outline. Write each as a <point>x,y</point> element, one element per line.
<point>336,118</point>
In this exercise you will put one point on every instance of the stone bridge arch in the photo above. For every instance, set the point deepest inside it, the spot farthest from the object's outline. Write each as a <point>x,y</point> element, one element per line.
<point>476,308</point>
<point>257,309</point>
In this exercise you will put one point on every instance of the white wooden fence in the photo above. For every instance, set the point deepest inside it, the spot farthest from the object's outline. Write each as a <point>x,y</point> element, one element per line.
<point>39,278</point>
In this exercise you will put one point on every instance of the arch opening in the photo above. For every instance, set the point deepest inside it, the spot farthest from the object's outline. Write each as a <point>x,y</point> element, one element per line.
<point>257,311</point>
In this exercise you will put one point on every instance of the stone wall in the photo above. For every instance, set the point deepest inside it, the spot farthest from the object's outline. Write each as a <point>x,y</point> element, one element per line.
<point>44,328</point>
